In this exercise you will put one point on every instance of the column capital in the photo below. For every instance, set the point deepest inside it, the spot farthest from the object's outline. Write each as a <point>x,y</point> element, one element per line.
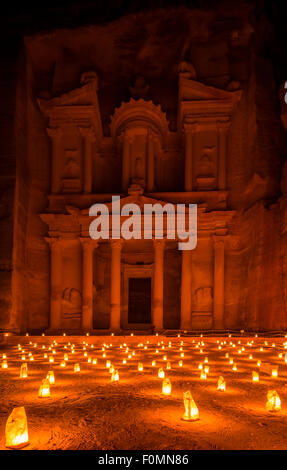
<point>159,243</point>
<point>54,132</point>
<point>87,132</point>
<point>190,127</point>
<point>218,240</point>
<point>53,241</point>
<point>223,126</point>
<point>116,243</point>
<point>88,243</point>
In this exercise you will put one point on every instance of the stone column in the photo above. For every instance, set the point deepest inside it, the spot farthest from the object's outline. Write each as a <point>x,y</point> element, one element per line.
<point>158,284</point>
<point>189,130</point>
<point>150,163</point>
<point>126,162</point>
<point>55,134</point>
<point>88,246</point>
<point>115,319</point>
<point>218,283</point>
<point>88,135</point>
<point>185,312</point>
<point>222,129</point>
<point>55,282</point>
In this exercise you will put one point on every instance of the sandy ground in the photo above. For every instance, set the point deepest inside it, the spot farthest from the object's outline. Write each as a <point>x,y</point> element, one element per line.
<point>87,411</point>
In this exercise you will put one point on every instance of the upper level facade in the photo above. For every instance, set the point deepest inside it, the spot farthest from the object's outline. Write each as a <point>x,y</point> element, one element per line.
<point>187,165</point>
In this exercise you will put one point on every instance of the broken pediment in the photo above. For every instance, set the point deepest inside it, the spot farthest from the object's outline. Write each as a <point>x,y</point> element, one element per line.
<point>199,102</point>
<point>79,106</point>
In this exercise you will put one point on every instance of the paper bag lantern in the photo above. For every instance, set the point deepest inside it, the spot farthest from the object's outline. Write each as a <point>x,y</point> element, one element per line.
<point>166,387</point>
<point>255,376</point>
<point>77,368</point>
<point>190,408</point>
<point>44,390</point>
<point>16,431</point>
<point>161,373</point>
<point>115,376</point>
<point>273,401</point>
<point>221,384</point>
<point>24,371</point>
<point>51,377</point>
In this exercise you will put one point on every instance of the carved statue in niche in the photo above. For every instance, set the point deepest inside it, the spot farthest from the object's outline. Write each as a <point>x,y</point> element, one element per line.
<point>72,168</point>
<point>140,88</point>
<point>71,180</point>
<point>203,299</point>
<point>71,301</point>
<point>206,161</point>
<point>139,171</point>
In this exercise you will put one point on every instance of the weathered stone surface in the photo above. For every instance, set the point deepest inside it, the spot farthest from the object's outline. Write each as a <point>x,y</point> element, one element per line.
<point>141,56</point>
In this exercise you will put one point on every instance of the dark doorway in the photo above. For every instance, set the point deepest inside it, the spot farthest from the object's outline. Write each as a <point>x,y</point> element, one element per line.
<point>139,300</point>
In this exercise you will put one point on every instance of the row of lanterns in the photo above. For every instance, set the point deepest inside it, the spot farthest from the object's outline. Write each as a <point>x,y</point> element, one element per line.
<point>16,431</point>
<point>16,426</point>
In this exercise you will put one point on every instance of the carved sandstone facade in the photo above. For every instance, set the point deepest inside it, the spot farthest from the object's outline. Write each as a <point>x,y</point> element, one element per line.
<point>176,105</point>
<point>98,284</point>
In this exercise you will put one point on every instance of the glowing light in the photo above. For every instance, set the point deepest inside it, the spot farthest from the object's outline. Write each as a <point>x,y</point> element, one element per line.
<point>255,376</point>
<point>115,376</point>
<point>77,367</point>
<point>166,387</point>
<point>273,401</point>
<point>51,377</point>
<point>274,372</point>
<point>16,431</point>
<point>4,365</point>
<point>140,366</point>
<point>190,409</point>
<point>44,390</point>
<point>24,371</point>
<point>221,384</point>
<point>160,373</point>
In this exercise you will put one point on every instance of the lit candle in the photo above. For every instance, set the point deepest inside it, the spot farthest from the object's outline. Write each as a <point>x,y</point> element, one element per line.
<point>221,384</point>
<point>273,401</point>
<point>190,409</point>
<point>166,387</point>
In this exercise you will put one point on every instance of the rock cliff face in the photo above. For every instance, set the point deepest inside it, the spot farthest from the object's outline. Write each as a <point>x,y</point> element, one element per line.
<point>226,47</point>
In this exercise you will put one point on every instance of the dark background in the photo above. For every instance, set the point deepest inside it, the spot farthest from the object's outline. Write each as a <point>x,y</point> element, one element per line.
<point>25,18</point>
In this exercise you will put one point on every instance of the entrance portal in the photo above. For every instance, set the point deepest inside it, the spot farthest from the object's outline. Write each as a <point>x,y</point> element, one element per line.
<point>139,305</point>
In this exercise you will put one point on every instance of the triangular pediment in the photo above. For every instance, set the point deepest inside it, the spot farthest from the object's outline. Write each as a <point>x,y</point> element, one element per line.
<point>86,95</point>
<point>192,90</point>
<point>139,199</point>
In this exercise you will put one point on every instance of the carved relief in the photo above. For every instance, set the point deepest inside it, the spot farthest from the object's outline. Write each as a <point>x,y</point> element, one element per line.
<point>71,302</point>
<point>206,162</point>
<point>71,179</point>
<point>205,166</point>
<point>203,299</point>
